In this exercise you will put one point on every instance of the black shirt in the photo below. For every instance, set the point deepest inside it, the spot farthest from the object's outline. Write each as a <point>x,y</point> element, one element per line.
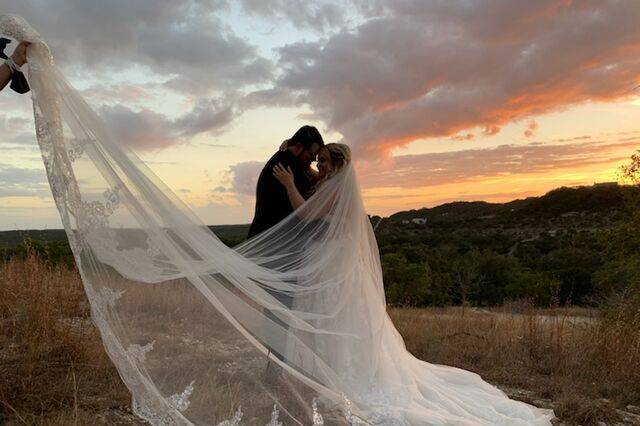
<point>272,201</point>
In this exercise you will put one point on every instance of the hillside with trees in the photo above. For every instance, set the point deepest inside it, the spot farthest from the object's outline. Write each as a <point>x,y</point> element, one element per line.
<point>571,246</point>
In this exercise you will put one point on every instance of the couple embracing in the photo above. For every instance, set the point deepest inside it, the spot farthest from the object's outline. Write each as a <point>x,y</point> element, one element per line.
<point>288,179</point>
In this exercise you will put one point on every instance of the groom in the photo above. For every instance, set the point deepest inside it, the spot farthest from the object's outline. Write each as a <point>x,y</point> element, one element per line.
<point>272,202</point>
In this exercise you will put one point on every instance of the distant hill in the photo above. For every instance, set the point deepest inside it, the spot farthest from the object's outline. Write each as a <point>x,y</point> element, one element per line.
<point>595,206</point>
<point>562,247</point>
<point>568,246</point>
<point>605,200</point>
<point>229,234</point>
<point>10,239</point>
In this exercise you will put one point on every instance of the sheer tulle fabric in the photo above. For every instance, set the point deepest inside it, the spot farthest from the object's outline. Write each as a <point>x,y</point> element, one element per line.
<point>289,327</point>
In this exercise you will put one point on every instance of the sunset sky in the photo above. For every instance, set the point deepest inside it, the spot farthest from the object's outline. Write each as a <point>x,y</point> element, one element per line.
<point>440,100</point>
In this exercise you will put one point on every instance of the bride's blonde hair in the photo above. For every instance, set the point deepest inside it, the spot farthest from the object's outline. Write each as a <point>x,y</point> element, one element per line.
<point>340,155</point>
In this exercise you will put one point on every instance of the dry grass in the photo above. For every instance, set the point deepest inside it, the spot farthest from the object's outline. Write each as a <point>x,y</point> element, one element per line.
<point>53,367</point>
<point>587,367</point>
<point>54,371</point>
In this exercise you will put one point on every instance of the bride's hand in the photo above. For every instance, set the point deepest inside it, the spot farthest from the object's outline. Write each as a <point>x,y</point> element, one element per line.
<point>285,176</point>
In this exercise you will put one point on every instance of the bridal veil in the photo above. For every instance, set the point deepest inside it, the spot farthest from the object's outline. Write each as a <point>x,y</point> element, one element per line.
<point>200,332</point>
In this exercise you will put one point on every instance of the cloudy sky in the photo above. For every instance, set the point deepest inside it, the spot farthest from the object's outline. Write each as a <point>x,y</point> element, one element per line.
<point>441,100</point>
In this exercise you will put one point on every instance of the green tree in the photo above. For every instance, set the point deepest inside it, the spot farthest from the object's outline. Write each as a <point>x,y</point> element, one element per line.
<point>408,284</point>
<point>621,274</point>
<point>537,286</point>
<point>497,272</point>
<point>616,276</point>
<point>467,276</point>
<point>573,268</point>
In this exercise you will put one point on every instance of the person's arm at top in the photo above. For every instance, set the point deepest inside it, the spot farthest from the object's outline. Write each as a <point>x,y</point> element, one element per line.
<point>5,75</point>
<point>19,57</point>
<point>285,177</point>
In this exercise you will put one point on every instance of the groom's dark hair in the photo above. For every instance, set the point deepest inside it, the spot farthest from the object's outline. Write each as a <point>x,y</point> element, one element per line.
<point>306,136</point>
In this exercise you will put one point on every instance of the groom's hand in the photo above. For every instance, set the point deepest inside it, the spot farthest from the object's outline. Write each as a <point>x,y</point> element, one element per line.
<point>19,55</point>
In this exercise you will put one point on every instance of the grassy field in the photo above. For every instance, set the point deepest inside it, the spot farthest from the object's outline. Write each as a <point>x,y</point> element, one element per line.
<point>584,363</point>
<point>585,367</point>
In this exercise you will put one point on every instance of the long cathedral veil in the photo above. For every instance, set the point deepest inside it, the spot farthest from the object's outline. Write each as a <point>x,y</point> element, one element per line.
<point>289,327</point>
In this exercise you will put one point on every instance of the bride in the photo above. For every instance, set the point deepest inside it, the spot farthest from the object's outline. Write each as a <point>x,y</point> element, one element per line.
<point>193,326</point>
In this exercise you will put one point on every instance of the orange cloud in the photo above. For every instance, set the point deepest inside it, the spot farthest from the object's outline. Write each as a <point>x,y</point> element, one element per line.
<point>388,200</point>
<point>502,163</point>
<point>531,128</point>
<point>438,69</point>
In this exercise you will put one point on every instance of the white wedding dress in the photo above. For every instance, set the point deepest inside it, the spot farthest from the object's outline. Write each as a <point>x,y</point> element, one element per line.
<point>184,318</point>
